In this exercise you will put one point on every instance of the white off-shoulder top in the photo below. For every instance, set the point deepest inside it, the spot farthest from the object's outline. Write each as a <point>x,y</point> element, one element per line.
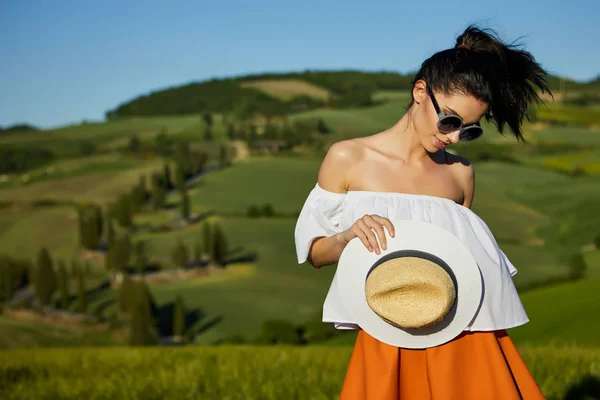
<point>326,213</point>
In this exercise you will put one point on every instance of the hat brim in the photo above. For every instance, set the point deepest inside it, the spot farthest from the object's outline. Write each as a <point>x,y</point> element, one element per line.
<point>356,262</point>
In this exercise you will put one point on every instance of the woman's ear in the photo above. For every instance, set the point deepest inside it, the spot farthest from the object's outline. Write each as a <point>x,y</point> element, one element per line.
<point>420,91</point>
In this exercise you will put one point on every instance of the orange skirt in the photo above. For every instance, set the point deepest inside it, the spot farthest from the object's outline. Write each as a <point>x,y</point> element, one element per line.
<point>475,365</point>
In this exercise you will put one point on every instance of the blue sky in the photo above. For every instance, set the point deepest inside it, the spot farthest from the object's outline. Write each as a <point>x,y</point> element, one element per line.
<point>65,61</point>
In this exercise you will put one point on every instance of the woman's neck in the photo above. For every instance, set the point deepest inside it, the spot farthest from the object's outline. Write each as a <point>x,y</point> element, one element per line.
<point>404,141</point>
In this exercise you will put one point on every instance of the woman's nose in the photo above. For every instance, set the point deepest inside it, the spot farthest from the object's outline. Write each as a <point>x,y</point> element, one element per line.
<point>454,136</point>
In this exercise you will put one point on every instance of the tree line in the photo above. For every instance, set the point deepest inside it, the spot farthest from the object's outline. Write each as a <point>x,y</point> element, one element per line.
<point>348,88</point>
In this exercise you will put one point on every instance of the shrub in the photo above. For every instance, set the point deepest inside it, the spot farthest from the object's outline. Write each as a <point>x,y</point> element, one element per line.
<point>279,332</point>
<point>253,211</point>
<point>268,211</point>
<point>45,280</point>
<point>577,267</point>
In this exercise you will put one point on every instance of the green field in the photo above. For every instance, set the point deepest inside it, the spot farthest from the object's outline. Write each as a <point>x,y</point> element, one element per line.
<point>242,296</point>
<point>282,182</point>
<point>247,292</point>
<point>66,141</point>
<point>538,214</point>
<point>101,183</point>
<point>18,332</point>
<point>286,89</point>
<point>570,114</point>
<point>235,372</point>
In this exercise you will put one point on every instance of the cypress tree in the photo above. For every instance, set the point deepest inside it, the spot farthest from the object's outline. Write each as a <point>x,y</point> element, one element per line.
<point>223,156</point>
<point>577,267</point>
<point>137,199</point>
<point>208,134</point>
<point>159,192</point>
<point>322,127</point>
<point>199,160</point>
<point>231,131</point>
<point>198,252</point>
<point>63,279</point>
<point>142,316</point>
<point>180,255</point>
<point>81,289</point>
<point>136,326</point>
<point>143,188</point>
<point>90,226</point>
<point>168,183</point>
<point>219,245</point>
<point>134,145</point>
<point>109,230</point>
<point>45,282</point>
<point>185,205</point>
<point>124,211</point>
<point>208,239</point>
<point>140,260</point>
<point>121,253</point>
<point>179,178</point>
<point>179,317</point>
<point>126,294</point>
<point>108,259</point>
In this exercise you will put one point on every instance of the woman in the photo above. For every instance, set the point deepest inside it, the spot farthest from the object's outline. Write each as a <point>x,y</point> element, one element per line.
<point>405,172</point>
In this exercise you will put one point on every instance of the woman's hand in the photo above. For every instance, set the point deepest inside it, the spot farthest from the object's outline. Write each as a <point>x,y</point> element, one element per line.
<point>365,228</point>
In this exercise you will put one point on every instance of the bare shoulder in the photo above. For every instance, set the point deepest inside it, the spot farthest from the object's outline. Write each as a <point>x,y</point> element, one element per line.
<point>341,157</point>
<point>465,174</point>
<point>461,165</point>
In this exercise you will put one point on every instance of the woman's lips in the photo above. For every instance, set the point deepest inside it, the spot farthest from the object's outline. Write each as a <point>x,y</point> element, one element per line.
<point>439,144</point>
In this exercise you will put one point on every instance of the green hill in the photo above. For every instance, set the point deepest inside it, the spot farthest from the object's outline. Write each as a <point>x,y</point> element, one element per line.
<point>535,198</point>
<point>272,94</point>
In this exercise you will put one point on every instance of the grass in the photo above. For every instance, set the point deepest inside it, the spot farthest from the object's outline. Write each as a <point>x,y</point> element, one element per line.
<point>565,314</point>
<point>66,141</point>
<point>102,185</point>
<point>588,161</point>
<point>569,114</point>
<point>26,230</point>
<point>231,372</point>
<point>242,296</point>
<point>287,89</point>
<point>566,134</point>
<point>397,96</point>
<point>23,333</point>
<point>284,183</point>
<point>251,291</point>
<point>536,214</point>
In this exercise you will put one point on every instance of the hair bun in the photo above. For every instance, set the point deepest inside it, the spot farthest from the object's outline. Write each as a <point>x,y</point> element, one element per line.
<point>477,39</point>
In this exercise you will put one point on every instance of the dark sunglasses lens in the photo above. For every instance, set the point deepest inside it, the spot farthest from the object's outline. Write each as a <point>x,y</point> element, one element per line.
<point>449,124</point>
<point>471,133</point>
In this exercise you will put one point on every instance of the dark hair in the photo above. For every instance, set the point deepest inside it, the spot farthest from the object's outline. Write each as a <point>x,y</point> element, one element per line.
<point>500,74</point>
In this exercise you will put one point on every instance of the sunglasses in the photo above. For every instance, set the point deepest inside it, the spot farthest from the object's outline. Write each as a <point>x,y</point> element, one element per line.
<point>452,123</point>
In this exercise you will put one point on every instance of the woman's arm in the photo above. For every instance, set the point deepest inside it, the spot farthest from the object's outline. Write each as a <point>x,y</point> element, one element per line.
<point>336,166</point>
<point>468,184</point>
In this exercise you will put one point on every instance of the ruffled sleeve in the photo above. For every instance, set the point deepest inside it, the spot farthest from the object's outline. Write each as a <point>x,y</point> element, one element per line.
<point>511,267</point>
<point>320,216</point>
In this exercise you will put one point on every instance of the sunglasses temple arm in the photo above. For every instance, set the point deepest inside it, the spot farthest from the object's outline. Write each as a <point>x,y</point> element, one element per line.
<point>435,103</point>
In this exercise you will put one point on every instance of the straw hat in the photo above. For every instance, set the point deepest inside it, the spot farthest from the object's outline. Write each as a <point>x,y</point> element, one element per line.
<point>422,291</point>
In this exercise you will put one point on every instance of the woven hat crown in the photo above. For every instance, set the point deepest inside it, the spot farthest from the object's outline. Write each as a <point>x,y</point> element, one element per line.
<point>410,292</point>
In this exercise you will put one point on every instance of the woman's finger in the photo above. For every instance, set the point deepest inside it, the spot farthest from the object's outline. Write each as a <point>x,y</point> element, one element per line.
<point>363,238</point>
<point>375,225</point>
<point>370,235</point>
<point>387,223</point>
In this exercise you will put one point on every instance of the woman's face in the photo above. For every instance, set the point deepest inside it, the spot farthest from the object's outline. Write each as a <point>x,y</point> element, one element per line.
<point>470,109</point>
